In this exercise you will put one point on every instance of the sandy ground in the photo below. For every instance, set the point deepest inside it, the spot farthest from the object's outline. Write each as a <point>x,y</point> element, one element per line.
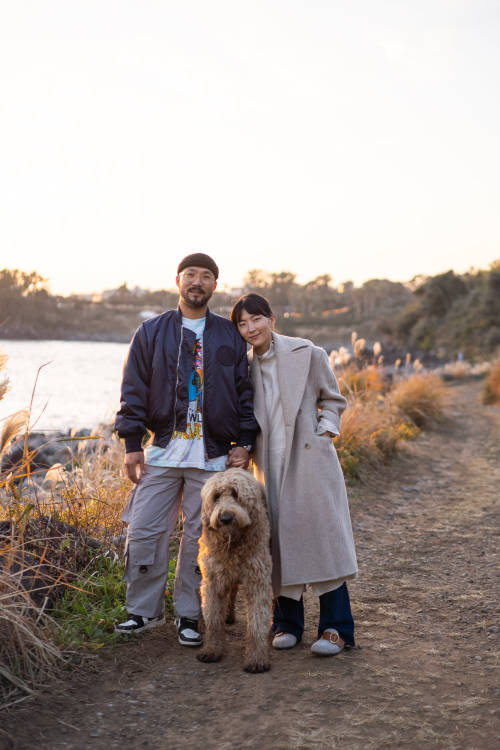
<point>424,673</point>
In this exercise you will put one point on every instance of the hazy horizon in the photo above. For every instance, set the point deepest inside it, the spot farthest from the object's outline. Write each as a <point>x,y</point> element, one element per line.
<point>223,286</point>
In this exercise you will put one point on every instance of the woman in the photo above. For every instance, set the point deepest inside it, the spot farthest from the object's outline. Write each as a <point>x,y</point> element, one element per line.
<point>298,406</point>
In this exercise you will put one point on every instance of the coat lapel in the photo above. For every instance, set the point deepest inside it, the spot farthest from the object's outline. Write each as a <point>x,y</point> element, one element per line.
<point>294,360</point>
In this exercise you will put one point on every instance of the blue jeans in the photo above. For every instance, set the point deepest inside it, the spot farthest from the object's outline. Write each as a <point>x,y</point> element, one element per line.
<point>334,612</point>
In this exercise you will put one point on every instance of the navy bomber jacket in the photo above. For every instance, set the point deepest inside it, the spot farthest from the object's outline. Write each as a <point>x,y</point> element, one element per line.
<point>156,374</point>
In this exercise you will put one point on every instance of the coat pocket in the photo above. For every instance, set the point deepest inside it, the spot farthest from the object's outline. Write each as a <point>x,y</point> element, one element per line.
<point>140,558</point>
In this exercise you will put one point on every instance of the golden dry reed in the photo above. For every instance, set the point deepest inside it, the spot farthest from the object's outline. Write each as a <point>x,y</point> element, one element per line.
<point>491,388</point>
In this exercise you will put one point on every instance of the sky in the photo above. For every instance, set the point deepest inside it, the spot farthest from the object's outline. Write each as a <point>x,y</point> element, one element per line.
<point>358,138</point>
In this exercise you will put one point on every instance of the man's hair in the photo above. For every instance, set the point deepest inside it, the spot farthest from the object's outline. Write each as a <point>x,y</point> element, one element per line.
<point>201,260</point>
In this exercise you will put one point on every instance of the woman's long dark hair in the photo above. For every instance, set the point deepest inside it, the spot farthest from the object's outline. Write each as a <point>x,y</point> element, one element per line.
<point>254,304</point>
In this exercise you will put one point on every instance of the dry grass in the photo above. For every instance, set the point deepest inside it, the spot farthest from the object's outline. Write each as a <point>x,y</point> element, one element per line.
<point>491,388</point>
<point>421,398</point>
<point>361,382</point>
<point>47,533</point>
<point>370,432</point>
<point>28,657</point>
<point>377,418</point>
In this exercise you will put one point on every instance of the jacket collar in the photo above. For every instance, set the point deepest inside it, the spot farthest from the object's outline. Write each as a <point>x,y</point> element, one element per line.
<point>208,317</point>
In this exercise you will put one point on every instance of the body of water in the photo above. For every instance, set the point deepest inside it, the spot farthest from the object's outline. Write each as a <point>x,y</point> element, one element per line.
<point>79,386</point>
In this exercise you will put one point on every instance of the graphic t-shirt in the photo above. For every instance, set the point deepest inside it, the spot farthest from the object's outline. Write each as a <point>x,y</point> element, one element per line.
<point>187,449</point>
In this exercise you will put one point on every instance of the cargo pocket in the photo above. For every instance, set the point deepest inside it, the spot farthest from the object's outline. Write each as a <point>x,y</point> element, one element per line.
<point>140,559</point>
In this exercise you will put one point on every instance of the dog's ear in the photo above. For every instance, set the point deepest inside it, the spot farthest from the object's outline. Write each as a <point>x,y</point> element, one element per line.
<point>206,502</point>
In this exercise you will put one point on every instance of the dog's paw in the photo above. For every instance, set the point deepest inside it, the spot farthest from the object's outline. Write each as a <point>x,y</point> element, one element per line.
<point>255,667</point>
<point>208,656</point>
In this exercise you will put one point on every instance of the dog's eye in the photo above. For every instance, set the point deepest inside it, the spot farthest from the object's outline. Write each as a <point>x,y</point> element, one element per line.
<point>233,492</point>
<point>216,497</point>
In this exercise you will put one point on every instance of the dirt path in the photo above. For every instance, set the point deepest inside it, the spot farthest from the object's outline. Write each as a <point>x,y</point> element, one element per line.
<point>423,676</point>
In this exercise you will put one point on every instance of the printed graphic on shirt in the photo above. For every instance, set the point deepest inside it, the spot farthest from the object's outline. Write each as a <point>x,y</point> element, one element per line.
<point>192,439</point>
<point>194,430</point>
<point>187,449</point>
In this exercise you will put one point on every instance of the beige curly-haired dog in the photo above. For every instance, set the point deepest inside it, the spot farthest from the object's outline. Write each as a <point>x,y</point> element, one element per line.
<point>234,552</point>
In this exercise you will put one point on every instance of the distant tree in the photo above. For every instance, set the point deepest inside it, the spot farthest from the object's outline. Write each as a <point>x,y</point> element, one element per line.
<point>24,300</point>
<point>255,280</point>
<point>279,290</point>
<point>316,296</point>
<point>440,292</point>
<point>122,295</point>
<point>376,295</point>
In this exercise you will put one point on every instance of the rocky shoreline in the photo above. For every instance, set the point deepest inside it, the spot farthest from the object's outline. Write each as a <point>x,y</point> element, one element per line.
<point>50,454</point>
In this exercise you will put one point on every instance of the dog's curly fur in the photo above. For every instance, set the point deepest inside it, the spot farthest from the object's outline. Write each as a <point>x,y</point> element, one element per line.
<point>234,551</point>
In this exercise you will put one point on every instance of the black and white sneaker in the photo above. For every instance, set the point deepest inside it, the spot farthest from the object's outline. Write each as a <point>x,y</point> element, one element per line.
<point>187,631</point>
<point>137,623</point>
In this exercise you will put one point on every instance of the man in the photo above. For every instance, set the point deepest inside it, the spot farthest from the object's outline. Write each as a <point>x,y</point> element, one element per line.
<point>186,381</point>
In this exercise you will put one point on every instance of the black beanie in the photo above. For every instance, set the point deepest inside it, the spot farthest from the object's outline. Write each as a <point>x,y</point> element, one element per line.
<point>201,260</point>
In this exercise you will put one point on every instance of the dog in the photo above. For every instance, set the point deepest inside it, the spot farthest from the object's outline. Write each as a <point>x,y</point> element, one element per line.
<point>234,552</point>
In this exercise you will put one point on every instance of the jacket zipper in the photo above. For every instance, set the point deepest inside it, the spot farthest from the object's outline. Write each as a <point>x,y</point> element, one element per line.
<point>203,396</point>
<point>177,379</point>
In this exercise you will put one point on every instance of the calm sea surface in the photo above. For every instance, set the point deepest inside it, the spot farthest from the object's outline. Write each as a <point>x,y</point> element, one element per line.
<point>78,387</point>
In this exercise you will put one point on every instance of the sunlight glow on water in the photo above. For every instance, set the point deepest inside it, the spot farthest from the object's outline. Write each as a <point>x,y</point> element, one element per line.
<point>81,385</point>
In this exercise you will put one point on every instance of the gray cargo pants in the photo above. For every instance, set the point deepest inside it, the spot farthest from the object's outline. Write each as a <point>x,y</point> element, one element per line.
<point>151,515</point>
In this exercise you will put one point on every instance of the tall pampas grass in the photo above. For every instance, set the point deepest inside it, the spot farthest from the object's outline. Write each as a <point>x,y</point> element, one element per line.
<point>361,383</point>
<point>421,397</point>
<point>491,389</point>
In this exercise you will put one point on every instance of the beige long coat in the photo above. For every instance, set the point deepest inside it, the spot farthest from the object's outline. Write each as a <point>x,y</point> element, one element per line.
<point>312,538</point>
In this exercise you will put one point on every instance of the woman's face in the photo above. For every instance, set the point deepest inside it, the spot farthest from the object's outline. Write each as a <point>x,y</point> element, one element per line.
<point>256,330</point>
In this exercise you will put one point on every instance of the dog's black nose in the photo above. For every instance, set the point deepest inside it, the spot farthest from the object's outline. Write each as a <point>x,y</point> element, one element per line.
<point>226,517</point>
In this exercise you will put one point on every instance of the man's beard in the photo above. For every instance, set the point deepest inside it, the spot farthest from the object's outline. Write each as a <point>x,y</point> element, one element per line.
<point>200,301</point>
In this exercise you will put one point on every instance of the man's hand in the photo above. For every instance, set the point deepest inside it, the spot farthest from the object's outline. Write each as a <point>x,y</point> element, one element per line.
<point>131,460</point>
<point>238,458</point>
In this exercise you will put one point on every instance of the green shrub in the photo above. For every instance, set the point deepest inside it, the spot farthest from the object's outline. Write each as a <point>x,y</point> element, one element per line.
<point>87,613</point>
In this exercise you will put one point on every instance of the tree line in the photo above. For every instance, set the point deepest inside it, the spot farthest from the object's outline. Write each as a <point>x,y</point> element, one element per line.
<point>445,313</point>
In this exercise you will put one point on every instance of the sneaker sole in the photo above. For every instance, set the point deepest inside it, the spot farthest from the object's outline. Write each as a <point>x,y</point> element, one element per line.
<point>327,653</point>
<point>190,643</point>
<point>147,626</point>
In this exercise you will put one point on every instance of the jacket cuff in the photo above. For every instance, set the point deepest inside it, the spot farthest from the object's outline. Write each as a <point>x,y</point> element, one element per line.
<point>133,444</point>
<point>247,437</point>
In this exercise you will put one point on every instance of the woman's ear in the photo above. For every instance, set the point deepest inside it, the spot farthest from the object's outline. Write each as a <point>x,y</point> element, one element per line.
<point>273,322</point>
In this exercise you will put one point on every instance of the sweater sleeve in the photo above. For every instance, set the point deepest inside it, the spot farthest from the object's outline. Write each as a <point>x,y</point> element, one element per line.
<point>331,403</point>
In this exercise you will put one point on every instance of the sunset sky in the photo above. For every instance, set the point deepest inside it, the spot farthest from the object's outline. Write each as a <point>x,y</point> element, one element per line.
<point>358,138</point>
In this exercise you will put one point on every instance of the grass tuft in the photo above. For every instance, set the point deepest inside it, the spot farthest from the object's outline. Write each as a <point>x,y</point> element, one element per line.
<point>86,615</point>
<point>361,383</point>
<point>421,398</point>
<point>491,389</point>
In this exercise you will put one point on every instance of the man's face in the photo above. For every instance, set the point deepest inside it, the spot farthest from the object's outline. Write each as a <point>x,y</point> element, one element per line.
<point>196,285</point>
